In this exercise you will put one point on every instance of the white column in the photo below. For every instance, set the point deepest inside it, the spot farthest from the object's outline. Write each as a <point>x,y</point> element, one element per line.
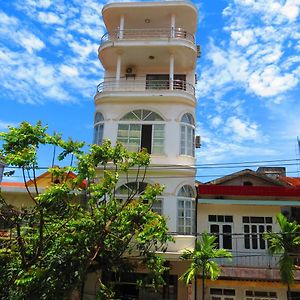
<point>118,67</point>
<point>171,76</point>
<point>121,27</point>
<point>173,19</point>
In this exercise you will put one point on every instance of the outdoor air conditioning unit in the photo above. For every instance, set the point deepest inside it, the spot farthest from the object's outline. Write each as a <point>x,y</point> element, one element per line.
<point>198,141</point>
<point>130,72</point>
<point>198,51</point>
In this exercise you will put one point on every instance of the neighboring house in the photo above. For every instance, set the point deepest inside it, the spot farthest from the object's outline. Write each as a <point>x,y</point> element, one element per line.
<point>238,208</point>
<point>147,100</point>
<point>16,194</point>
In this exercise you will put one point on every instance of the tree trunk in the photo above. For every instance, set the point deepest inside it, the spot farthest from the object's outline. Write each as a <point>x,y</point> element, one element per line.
<point>195,296</point>
<point>203,285</point>
<point>289,292</point>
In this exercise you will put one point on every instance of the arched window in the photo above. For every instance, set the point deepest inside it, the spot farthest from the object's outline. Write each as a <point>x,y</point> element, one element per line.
<point>186,210</point>
<point>131,188</point>
<point>142,129</point>
<point>187,135</point>
<point>134,189</point>
<point>98,128</point>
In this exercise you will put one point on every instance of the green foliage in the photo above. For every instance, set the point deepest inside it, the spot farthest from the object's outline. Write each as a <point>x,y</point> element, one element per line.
<point>71,231</point>
<point>284,243</point>
<point>203,259</point>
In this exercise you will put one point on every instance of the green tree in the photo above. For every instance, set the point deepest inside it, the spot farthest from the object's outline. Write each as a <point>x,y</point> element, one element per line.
<point>203,260</point>
<point>70,231</point>
<point>283,244</point>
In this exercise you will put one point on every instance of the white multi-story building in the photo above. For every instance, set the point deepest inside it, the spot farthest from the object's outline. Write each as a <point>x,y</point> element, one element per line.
<point>147,100</point>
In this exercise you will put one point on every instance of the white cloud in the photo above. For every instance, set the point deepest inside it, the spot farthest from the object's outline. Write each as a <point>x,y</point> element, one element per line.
<point>241,130</point>
<point>269,82</point>
<point>216,121</point>
<point>30,42</point>
<point>69,71</point>
<point>50,18</point>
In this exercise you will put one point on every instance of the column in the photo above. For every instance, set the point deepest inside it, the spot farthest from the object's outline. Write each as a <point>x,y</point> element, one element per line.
<point>173,18</point>
<point>118,70</point>
<point>121,27</point>
<point>171,75</point>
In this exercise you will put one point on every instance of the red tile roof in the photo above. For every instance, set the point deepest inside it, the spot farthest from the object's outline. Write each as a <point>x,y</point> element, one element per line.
<point>294,181</point>
<point>13,184</point>
<point>267,191</point>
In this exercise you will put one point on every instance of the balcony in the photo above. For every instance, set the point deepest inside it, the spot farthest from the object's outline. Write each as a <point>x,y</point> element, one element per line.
<point>241,257</point>
<point>140,87</point>
<point>148,34</point>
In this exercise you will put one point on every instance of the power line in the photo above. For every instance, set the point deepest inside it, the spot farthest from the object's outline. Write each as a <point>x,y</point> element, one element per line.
<point>162,177</point>
<point>218,165</point>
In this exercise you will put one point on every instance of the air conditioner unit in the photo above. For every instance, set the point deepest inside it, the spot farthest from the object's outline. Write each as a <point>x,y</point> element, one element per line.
<point>198,141</point>
<point>198,51</point>
<point>130,72</point>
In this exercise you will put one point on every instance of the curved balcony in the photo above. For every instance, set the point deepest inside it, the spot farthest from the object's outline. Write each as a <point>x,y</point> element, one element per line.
<point>148,34</point>
<point>142,85</point>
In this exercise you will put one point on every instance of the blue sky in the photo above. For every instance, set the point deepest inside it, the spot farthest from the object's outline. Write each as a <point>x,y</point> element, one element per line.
<point>248,89</point>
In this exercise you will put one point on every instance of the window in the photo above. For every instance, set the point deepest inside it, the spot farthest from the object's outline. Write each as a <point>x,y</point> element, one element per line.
<point>222,294</point>
<point>186,210</point>
<point>247,183</point>
<point>142,129</point>
<point>221,226</point>
<point>254,227</point>
<point>187,135</point>
<point>158,206</point>
<point>131,189</point>
<point>260,295</point>
<point>98,128</point>
<point>134,189</point>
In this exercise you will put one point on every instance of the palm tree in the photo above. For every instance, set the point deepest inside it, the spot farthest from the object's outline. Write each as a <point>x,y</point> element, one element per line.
<point>203,259</point>
<point>283,243</point>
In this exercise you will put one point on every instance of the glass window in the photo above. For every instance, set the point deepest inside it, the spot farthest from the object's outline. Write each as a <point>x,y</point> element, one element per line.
<point>222,294</point>
<point>260,295</point>
<point>187,135</point>
<point>254,228</point>
<point>221,226</point>
<point>186,210</point>
<point>98,128</point>
<point>143,132</point>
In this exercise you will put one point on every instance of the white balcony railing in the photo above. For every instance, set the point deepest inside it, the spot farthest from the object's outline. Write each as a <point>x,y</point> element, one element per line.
<point>147,34</point>
<point>255,258</point>
<point>139,85</point>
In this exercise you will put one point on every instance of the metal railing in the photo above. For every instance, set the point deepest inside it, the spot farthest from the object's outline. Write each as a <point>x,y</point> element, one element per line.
<point>241,257</point>
<point>145,34</point>
<point>139,85</point>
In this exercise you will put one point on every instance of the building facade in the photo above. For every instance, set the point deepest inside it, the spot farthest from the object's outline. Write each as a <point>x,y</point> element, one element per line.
<point>238,209</point>
<point>147,100</point>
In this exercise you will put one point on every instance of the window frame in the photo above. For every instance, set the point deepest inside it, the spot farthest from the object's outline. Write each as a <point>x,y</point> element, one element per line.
<point>187,135</point>
<point>186,208</point>
<point>98,128</point>
<point>253,229</point>
<point>157,142</point>
<point>220,236</point>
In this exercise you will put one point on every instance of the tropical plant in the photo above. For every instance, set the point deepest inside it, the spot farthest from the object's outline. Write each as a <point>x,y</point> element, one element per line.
<point>283,243</point>
<point>70,231</point>
<point>204,260</point>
